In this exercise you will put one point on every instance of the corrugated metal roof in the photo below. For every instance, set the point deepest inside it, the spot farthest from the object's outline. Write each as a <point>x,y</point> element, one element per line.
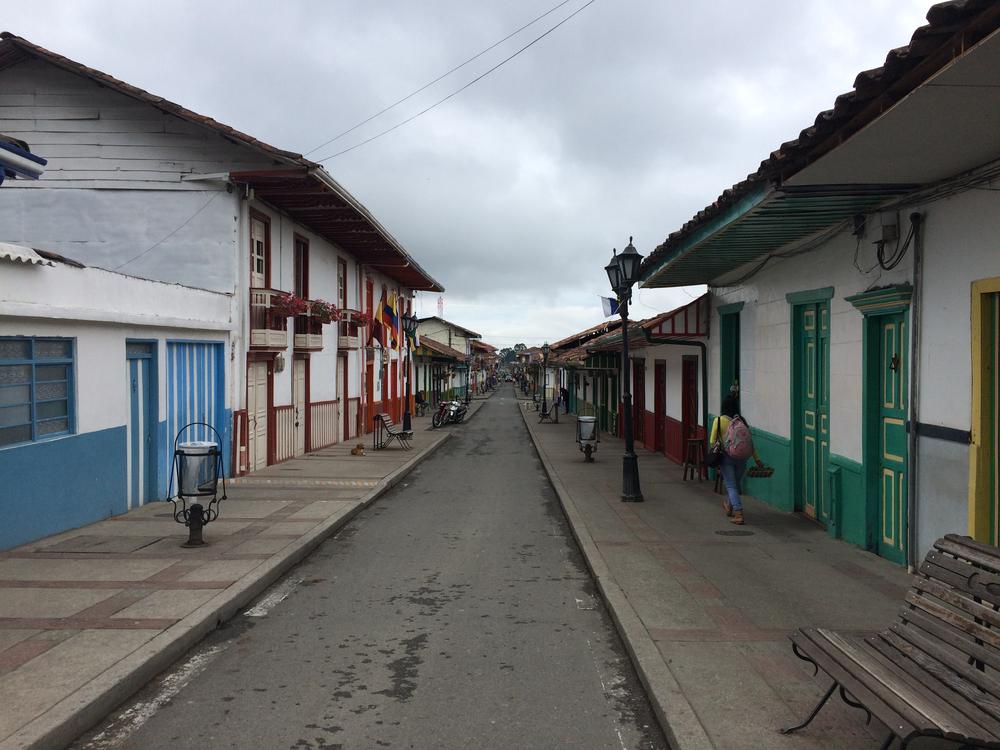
<point>21,254</point>
<point>952,28</point>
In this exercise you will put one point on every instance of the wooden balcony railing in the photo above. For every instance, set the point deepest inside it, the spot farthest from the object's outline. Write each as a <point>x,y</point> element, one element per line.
<point>268,328</point>
<point>308,332</point>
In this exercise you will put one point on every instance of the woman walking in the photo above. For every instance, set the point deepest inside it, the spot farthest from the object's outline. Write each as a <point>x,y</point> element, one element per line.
<point>732,432</point>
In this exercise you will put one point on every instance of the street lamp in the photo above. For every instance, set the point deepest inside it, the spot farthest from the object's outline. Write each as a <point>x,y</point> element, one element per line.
<point>409,329</point>
<point>623,272</point>
<point>545,374</point>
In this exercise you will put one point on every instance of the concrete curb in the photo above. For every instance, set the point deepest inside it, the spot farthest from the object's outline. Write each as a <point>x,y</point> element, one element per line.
<point>678,720</point>
<point>74,715</point>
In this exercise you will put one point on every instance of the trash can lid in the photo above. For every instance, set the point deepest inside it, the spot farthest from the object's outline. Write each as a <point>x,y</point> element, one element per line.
<point>197,445</point>
<point>586,419</point>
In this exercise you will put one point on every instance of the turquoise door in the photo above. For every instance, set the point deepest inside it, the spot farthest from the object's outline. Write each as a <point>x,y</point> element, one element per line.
<point>811,408</point>
<point>891,432</point>
<point>142,423</point>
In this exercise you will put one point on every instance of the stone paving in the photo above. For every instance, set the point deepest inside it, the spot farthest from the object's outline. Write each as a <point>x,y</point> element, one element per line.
<point>87,617</point>
<point>706,613</point>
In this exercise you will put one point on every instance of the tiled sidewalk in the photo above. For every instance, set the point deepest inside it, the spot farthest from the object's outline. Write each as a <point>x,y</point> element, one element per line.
<point>87,617</point>
<point>706,613</point>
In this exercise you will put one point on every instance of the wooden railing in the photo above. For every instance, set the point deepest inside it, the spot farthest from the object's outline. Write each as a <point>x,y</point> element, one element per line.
<point>324,419</point>
<point>267,327</point>
<point>284,433</point>
<point>308,332</point>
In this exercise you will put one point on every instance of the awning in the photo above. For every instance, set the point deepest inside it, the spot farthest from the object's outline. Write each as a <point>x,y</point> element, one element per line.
<point>762,222</point>
<point>21,254</point>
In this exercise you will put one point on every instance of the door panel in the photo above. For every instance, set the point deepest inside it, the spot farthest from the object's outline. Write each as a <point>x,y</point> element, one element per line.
<point>813,409</point>
<point>689,398</point>
<point>258,253</point>
<point>299,404</point>
<point>141,428</point>
<point>892,436</point>
<point>659,404</point>
<point>257,414</point>
<point>639,399</point>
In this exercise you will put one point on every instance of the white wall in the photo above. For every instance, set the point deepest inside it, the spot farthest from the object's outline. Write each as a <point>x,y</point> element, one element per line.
<point>101,310</point>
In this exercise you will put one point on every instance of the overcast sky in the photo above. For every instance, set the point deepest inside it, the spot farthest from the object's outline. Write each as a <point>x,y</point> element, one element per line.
<point>626,120</point>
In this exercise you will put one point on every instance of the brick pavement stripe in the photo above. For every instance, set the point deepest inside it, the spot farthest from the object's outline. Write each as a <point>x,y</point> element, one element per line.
<point>21,653</point>
<point>74,623</point>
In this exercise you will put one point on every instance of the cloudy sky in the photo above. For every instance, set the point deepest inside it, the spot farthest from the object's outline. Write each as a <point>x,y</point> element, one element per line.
<point>626,120</point>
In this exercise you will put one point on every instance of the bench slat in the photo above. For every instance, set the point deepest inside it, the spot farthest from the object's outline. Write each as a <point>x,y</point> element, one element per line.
<point>903,691</point>
<point>901,719</point>
<point>939,630</point>
<point>968,549</point>
<point>928,605</point>
<point>970,608</point>
<point>954,671</point>
<point>974,581</point>
<point>941,682</point>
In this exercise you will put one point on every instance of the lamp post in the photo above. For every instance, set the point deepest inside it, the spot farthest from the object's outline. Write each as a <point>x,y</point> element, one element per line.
<point>409,329</point>
<point>623,272</point>
<point>545,374</point>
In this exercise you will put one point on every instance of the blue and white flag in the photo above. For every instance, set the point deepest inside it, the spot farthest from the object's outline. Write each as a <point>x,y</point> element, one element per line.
<point>610,306</point>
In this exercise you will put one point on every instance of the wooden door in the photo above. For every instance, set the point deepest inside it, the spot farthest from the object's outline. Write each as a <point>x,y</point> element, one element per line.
<point>257,393</point>
<point>258,253</point>
<point>689,399</point>
<point>991,408</point>
<point>299,369</point>
<point>639,399</point>
<point>892,452</point>
<point>660,405</point>
<point>812,412</point>
<point>369,405</point>
<point>345,410</point>
<point>141,427</point>
<point>394,376</point>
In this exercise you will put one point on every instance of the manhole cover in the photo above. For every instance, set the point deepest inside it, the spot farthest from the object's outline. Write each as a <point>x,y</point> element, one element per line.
<point>735,532</point>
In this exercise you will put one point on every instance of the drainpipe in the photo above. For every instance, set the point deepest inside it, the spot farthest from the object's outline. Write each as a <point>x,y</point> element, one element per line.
<point>703,360</point>
<point>912,484</point>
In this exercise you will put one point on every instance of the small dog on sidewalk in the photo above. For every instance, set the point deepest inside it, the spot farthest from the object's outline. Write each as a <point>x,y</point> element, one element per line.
<point>358,450</point>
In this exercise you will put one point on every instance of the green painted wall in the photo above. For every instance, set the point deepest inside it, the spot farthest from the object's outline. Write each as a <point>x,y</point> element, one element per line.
<point>848,506</point>
<point>775,451</point>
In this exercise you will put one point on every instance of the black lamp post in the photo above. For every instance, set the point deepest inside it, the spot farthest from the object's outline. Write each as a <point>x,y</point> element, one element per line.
<point>545,374</point>
<point>409,329</point>
<point>623,272</point>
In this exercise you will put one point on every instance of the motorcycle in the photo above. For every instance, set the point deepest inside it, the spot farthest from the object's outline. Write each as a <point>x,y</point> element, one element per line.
<point>449,412</point>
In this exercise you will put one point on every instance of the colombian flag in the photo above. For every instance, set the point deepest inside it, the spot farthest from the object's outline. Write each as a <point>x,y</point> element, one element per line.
<point>389,317</point>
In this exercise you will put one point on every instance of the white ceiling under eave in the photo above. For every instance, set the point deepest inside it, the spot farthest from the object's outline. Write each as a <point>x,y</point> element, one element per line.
<point>21,254</point>
<point>946,126</point>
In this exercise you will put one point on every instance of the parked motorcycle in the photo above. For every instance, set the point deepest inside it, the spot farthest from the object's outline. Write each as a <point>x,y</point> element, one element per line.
<point>449,412</point>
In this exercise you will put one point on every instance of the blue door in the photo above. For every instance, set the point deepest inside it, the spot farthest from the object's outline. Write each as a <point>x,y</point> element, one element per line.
<point>142,422</point>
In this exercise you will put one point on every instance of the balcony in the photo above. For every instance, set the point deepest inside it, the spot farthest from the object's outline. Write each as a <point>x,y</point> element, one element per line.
<point>349,331</point>
<point>308,333</point>
<point>268,327</point>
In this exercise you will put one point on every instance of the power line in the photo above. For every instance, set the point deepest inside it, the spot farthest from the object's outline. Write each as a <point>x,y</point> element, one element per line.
<point>439,78</point>
<point>463,88</point>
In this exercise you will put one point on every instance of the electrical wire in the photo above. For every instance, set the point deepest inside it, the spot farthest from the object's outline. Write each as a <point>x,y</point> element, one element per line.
<point>160,242</point>
<point>463,88</point>
<point>439,78</point>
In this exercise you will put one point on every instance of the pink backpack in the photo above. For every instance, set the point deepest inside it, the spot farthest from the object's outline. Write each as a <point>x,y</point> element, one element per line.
<point>738,443</point>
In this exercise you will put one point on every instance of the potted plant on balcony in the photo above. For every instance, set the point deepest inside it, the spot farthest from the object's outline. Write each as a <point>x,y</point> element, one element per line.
<point>361,319</point>
<point>288,305</point>
<point>323,311</point>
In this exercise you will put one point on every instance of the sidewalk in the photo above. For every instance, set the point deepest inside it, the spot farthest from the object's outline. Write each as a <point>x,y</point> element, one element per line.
<point>705,613</point>
<point>89,616</point>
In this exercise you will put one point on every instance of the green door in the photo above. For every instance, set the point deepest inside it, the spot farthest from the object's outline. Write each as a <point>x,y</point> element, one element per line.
<point>991,408</point>
<point>891,464</point>
<point>813,408</point>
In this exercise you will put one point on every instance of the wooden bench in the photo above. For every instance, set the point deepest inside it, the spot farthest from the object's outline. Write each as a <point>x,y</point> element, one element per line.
<point>935,672</point>
<point>386,431</point>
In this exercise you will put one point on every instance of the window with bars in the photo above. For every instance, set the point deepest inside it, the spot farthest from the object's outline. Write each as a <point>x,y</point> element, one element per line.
<point>36,388</point>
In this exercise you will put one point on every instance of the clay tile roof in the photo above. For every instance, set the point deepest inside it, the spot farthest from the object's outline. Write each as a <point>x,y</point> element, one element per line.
<point>442,349</point>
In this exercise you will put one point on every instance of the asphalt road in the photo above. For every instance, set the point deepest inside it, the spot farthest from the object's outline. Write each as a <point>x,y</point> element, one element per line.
<point>455,612</point>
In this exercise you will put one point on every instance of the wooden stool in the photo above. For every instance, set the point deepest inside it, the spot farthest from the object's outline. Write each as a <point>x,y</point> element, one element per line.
<point>694,459</point>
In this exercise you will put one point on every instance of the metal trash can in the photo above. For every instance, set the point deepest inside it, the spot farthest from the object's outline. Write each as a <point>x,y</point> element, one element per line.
<point>198,468</point>
<point>586,436</point>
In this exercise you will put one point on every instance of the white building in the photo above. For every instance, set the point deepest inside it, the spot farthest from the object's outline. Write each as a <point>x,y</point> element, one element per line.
<point>98,373</point>
<point>854,281</point>
<point>142,185</point>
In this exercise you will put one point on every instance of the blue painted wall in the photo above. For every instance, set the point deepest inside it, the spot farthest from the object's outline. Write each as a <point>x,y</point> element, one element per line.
<point>55,485</point>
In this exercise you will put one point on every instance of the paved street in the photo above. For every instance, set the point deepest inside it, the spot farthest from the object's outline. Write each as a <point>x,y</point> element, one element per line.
<point>454,612</point>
